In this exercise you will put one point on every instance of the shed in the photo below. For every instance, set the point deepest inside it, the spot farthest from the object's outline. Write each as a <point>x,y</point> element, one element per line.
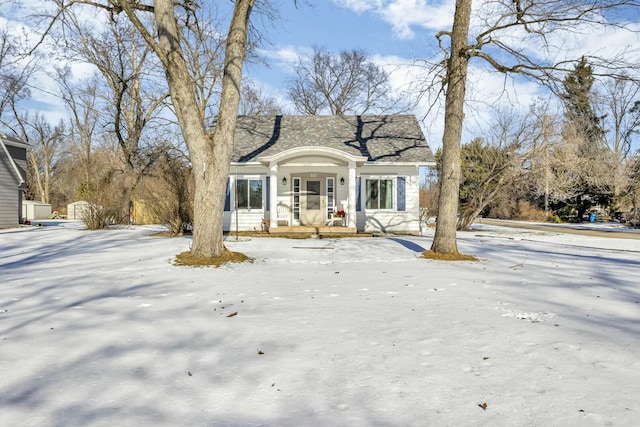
<point>77,209</point>
<point>33,209</point>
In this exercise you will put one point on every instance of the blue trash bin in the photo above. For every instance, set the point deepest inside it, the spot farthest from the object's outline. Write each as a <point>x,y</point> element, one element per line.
<point>592,217</point>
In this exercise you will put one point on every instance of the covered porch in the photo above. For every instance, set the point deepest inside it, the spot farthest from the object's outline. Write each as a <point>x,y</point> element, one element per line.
<point>313,190</point>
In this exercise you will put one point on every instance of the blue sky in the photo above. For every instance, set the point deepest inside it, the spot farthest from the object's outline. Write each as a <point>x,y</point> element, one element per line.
<point>326,24</point>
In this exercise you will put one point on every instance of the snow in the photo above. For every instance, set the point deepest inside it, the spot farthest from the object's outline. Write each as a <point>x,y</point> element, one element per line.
<point>99,328</point>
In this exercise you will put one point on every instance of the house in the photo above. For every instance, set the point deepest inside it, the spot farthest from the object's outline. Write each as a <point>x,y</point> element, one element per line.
<point>13,177</point>
<point>297,171</point>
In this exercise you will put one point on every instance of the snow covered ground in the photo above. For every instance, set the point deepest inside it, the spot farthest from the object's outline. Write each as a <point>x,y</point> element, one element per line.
<point>98,328</point>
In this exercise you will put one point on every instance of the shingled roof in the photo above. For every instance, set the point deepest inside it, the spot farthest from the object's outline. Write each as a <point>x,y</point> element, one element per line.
<point>390,138</point>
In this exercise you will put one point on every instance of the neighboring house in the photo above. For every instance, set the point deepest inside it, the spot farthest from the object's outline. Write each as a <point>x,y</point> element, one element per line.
<point>13,177</point>
<point>289,171</point>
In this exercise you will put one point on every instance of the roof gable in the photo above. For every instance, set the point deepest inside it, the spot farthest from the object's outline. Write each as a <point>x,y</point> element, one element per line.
<point>15,153</point>
<point>378,138</point>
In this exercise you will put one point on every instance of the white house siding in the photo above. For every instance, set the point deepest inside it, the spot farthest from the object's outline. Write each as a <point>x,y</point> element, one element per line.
<point>387,221</point>
<point>246,220</point>
<point>391,221</point>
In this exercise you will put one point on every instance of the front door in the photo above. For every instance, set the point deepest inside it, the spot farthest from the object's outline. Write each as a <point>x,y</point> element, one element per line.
<point>313,201</point>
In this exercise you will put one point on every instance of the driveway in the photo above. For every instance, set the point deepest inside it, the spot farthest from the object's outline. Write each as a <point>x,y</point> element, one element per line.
<point>581,229</point>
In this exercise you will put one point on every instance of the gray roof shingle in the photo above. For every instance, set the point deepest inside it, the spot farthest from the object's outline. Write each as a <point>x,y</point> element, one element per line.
<point>384,138</point>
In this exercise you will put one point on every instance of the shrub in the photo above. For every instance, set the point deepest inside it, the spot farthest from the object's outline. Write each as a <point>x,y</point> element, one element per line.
<point>97,217</point>
<point>633,218</point>
<point>527,211</point>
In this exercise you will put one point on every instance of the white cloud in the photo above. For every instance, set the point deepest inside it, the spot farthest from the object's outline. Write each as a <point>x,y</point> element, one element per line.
<point>408,16</point>
<point>291,54</point>
<point>358,6</point>
<point>405,15</point>
<point>485,91</point>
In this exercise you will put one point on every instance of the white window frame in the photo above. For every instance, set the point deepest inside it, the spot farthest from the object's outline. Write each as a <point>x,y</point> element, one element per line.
<point>250,178</point>
<point>365,195</point>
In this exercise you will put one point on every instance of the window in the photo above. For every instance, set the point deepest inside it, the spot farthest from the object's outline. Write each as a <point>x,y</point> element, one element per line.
<point>249,193</point>
<point>330,197</point>
<point>296,199</point>
<point>379,194</point>
<point>313,195</point>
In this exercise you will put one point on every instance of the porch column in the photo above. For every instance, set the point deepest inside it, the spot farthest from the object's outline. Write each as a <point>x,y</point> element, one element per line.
<point>273,195</point>
<point>351,220</point>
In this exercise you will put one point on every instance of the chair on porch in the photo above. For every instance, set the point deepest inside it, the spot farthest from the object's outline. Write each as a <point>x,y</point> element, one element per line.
<point>333,218</point>
<point>284,214</point>
<point>330,218</point>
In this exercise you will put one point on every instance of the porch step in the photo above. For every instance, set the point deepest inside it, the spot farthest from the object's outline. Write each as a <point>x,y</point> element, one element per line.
<point>313,230</point>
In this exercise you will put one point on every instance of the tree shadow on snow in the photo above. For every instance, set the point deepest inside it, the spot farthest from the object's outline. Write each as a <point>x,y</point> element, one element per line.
<point>412,246</point>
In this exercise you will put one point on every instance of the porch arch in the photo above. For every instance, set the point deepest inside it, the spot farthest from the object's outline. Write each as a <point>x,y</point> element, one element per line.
<point>313,154</point>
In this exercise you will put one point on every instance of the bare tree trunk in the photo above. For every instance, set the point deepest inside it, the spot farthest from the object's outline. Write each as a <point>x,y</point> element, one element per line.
<point>210,155</point>
<point>444,241</point>
<point>468,216</point>
<point>225,129</point>
<point>36,177</point>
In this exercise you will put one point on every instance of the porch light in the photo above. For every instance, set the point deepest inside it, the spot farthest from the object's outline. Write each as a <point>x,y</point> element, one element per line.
<point>342,181</point>
<point>284,180</point>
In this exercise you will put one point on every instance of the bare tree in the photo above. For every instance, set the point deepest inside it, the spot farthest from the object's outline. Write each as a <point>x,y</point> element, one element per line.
<point>444,241</point>
<point>620,108</point>
<point>46,144</point>
<point>82,103</point>
<point>348,83</point>
<point>255,102</point>
<point>15,71</point>
<point>489,166</point>
<point>210,154</point>
<point>169,191</point>
<point>621,113</point>
<point>539,171</point>
<point>130,93</point>
<point>204,53</point>
<point>428,198</point>
<point>531,23</point>
<point>633,217</point>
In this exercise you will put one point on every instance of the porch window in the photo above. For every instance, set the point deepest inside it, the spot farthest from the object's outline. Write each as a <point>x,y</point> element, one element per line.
<point>379,194</point>
<point>249,193</point>
<point>330,197</point>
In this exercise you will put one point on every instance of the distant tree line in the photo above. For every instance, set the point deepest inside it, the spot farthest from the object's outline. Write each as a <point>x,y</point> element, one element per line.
<point>558,166</point>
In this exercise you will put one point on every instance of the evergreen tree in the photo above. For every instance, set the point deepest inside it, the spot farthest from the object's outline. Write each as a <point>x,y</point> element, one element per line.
<point>584,131</point>
<point>577,101</point>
